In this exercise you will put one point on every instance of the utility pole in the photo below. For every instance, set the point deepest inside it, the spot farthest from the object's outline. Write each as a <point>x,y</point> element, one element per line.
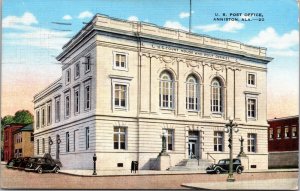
<point>190,21</point>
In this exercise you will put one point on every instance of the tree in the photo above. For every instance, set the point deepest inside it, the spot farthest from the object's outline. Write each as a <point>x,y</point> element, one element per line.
<point>8,119</point>
<point>23,117</point>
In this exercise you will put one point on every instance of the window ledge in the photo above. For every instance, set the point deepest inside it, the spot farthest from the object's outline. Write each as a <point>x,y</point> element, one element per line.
<point>193,111</point>
<point>121,108</point>
<point>218,115</point>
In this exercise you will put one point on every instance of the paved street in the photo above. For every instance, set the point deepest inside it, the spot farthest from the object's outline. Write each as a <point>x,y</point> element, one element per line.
<point>15,179</point>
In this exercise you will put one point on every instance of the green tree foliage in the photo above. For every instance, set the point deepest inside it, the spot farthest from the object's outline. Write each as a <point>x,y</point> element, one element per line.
<point>8,119</point>
<point>23,117</point>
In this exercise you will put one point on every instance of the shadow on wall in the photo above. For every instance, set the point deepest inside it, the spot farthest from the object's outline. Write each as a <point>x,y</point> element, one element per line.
<point>151,164</point>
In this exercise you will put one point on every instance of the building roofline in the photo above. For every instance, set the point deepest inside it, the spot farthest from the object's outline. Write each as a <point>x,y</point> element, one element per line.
<point>14,124</point>
<point>283,118</point>
<point>138,28</point>
<point>50,87</point>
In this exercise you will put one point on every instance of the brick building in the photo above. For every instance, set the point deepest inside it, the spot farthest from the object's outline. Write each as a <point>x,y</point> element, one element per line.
<point>8,146</point>
<point>283,142</point>
<point>23,142</point>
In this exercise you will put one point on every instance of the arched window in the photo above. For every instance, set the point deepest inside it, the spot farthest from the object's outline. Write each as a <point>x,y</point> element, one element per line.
<point>166,91</point>
<point>216,96</point>
<point>192,94</point>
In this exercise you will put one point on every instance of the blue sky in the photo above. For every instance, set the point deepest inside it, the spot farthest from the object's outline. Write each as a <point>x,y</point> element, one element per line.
<point>31,41</point>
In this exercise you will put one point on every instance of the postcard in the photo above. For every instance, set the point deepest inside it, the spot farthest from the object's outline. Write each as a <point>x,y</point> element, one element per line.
<point>141,94</point>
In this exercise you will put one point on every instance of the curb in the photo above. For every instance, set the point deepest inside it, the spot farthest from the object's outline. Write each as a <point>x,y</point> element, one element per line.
<point>168,174</point>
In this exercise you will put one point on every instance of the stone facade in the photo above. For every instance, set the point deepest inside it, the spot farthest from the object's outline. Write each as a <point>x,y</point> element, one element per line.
<point>138,84</point>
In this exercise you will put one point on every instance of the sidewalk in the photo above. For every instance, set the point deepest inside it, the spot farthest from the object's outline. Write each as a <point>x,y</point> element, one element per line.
<point>153,172</point>
<point>271,184</point>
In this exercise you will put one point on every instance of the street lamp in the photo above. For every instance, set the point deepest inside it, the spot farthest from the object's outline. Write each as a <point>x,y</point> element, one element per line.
<point>94,159</point>
<point>50,144</point>
<point>229,127</point>
<point>164,143</point>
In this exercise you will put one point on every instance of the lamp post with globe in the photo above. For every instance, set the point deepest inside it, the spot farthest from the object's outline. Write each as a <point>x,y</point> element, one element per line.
<point>229,128</point>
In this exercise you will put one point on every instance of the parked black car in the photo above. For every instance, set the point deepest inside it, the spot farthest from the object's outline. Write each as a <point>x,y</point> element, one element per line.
<point>43,164</point>
<point>223,166</point>
<point>10,163</point>
<point>17,162</point>
<point>23,163</point>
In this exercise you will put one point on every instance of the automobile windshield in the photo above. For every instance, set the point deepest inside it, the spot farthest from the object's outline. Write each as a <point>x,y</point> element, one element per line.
<point>221,162</point>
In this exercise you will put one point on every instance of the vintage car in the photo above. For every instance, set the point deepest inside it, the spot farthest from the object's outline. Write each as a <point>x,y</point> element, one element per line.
<point>23,163</point>
<point>43,164</point>
<point>11,163</point>
<point>17,162</point>
<point>223,166</point>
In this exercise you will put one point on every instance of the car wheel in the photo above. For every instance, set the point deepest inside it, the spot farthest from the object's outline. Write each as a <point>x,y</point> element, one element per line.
<point>56,170</point>
<point>40,170</point>
<point>218,171</point>
<point>239,170</point>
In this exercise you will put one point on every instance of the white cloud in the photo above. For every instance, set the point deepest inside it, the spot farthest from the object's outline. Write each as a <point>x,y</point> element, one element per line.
<point>85,14</point>
<point>31,35</point>
<point>67,17</point>
<point>175,25</point>
<point>11,21</point>
<point>230,26</point>
<point>39,37</point>
<point>183,15</point>
<point>133,18</point>
<point>270,39</point>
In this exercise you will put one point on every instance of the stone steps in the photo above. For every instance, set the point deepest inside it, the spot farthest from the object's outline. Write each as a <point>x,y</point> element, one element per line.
<point>191,165</point>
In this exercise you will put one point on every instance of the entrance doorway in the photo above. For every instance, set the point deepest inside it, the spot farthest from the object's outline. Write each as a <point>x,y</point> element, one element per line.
<point>193,145</point>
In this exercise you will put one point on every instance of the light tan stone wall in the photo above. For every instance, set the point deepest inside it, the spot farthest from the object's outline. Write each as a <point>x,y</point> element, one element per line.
<point>143,117</point>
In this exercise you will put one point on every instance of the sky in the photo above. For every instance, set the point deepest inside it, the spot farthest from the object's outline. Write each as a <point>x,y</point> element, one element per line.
<point>31,39</point>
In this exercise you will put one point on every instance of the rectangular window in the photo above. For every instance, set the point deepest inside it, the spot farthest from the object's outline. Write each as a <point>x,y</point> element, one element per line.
<point>87,138</point>
<point>31,137</point>
<point>278,133</point>
<point>37,119</point>
<point>271,133</point>
<point>251,108</point>
<point>120,61</point>
<point>67,142</point>
<point>294,132</point>
<point>43,117</point>
<point>170,139</point>
<point>119,137</point>
<point>218,141</point>
<point>49,113</point>
<point>120,96</point>
<point>286,133</point>
<point>76,101</point>
<point>87,63</point>
<point>38,146</point>
<point>68,76</point>
<point>87,97</point>
<point>77,70</point>
<point>252,142</point>
<point>251,79</point>
<point>43,145</point>
<point>57,109</point>
<point>67,105</point>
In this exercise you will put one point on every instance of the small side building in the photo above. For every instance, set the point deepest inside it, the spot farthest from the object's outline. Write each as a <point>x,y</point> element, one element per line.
<point>8,146</point>
<point>23,142</point>
<point>283,142</point>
